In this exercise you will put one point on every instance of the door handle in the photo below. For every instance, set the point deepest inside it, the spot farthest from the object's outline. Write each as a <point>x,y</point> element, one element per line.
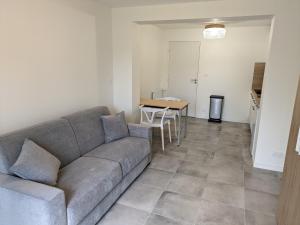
<point>195,81</point>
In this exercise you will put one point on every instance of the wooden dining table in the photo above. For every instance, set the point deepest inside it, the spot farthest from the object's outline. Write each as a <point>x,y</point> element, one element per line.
<point>181,106</point>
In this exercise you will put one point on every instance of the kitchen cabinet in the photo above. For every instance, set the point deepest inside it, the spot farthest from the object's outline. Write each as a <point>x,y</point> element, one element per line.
<point>253,113</point>
<point>258,76</point>
<point>253,120</point>
<point>255,94</point>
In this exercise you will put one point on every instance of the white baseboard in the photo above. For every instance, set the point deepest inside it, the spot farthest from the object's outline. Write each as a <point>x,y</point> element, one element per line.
<point>205,116</point>
<point>264,166</point>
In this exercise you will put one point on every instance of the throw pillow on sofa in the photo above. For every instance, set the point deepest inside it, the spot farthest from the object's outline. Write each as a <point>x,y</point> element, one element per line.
<point>36,164</point>
<point>115,127</point>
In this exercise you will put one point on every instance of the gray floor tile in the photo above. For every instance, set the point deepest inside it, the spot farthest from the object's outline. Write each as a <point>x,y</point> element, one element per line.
<point>198,156</point>
<point>253,218</point>
<point>177,148</point>
<point>156,178</point>
<point>214,159</point>
<point>160,220</point>
<point>253,170</point>
<point>194,169</point>
<point>188,185</point>
<point>232,140</point>
<point>227,173</point>
<point>260,202</point>
<point>200,145</point>
<point>261,181</point>
<point>173,153</point>
<point>178,207</point>
<point>204,137</point>
<point>123,215</point>
<point>231,150</point>
<point>166,163</point>
<point>221,159</point>
<point>228,194</point>
<point>219,214</point>
<point>141,197</point>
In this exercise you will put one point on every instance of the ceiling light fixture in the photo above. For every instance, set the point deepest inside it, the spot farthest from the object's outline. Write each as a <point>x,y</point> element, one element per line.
<point>214,31</point>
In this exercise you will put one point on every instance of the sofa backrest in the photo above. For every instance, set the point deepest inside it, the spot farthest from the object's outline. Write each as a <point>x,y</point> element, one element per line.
<point>57,137</point>
<point>88,128</point>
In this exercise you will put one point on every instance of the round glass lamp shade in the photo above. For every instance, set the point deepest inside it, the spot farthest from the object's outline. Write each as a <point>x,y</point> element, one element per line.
<point>214,31</point>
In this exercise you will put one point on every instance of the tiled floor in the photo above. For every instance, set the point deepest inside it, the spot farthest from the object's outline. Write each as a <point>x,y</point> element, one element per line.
<point>208,180</point>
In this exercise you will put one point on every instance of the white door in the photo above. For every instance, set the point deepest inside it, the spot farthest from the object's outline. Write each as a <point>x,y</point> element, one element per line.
<point>183,72</point>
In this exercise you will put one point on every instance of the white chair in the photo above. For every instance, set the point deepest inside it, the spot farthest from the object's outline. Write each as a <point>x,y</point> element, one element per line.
<point>171,114</point>
<point>149,118</point>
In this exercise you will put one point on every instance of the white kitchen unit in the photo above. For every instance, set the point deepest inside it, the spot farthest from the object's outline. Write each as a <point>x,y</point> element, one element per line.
<point>255,93</point>
<point>253,119</point>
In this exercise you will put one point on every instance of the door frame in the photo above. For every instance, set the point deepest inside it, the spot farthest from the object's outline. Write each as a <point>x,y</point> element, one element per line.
<point>198,69</point>
<point>289,199</point>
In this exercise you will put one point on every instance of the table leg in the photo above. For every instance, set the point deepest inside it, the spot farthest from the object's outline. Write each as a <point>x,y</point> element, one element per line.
<point>186,120</point>
<point>179,128</point>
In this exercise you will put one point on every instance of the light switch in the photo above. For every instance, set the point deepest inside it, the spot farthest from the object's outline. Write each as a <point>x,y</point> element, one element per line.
<point>298,143</point>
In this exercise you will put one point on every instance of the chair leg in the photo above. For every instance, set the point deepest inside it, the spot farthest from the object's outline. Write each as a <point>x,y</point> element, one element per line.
<point>170,134</point>
<point>162,138</point>
<point>175,125</point>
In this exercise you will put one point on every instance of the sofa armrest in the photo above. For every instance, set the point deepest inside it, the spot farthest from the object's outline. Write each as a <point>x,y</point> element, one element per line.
<point>27,203</point>
<point>138,130</point>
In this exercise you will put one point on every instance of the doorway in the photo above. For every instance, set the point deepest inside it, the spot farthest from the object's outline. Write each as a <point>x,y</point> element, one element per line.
<point>183,72</point>
<point>289,201</point>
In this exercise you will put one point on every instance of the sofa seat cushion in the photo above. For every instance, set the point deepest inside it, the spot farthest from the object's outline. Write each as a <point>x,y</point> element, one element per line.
<point>86,181</point>
<point>128,152</point>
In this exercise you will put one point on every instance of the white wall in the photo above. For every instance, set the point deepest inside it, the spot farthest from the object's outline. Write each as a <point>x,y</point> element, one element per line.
<point>282,70</point>
<point>151,51</point>
<point>280,85</point>
<point>226,66</point>
<point>49,60</point>
<point>104,53</point>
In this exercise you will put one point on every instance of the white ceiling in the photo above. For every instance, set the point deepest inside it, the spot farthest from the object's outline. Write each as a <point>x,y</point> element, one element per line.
<point>128,3</point>
<point>226,23</point>
<point>200,23</point>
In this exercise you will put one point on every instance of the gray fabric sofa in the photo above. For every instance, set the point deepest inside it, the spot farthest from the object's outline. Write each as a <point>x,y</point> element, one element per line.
<point>92,177</point>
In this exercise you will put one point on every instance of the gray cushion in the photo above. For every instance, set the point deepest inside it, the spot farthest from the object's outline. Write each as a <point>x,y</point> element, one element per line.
<point>128,152</point>
<point>55,136</point>
<point>86,181</point>
<point>87,127</point>
<point>115,127</point>
<point>36,164</point>
<point>140,130</point>
<point>94,216</point>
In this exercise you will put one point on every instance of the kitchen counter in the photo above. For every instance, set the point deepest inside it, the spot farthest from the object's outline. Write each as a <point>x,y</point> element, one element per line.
<point>253,117</point>
<point>256,98</point>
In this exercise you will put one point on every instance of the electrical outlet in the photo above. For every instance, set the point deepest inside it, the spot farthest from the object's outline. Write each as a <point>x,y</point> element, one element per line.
<point>298,143</point>
<point>278,155</point>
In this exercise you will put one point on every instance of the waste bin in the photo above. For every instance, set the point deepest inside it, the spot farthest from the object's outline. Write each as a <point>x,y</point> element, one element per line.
<point>216,108</point>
